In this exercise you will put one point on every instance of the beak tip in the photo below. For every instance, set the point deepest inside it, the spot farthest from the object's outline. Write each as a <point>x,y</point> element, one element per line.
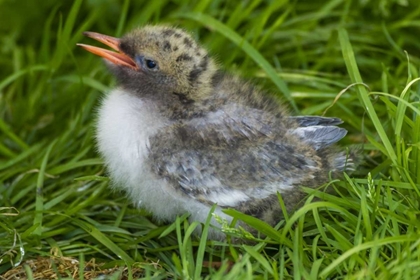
<point>118,57</point>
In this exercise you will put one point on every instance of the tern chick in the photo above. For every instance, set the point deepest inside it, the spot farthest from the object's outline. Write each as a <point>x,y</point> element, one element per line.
<point>179,135</point>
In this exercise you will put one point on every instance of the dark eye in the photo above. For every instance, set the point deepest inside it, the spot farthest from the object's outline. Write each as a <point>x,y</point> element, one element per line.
<point>150,64</point>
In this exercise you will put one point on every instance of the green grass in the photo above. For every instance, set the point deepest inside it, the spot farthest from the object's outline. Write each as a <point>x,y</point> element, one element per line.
<point>357,60</point>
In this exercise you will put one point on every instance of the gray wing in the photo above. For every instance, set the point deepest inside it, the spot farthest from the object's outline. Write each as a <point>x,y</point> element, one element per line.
<point>305,121</point>
<point>319,132</point>
<point>234,161</point>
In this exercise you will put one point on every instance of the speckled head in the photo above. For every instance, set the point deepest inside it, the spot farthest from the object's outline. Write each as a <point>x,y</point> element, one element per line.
<point>158,58</point>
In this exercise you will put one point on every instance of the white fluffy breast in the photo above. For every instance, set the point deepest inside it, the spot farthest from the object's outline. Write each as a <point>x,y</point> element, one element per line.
<point>125,125</point>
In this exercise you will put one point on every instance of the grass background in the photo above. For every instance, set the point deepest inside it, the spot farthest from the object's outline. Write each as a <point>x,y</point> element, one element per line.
<point>357,60</point>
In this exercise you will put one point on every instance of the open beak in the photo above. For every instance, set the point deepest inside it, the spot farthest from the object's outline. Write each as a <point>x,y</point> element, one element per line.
<point>118,57</point>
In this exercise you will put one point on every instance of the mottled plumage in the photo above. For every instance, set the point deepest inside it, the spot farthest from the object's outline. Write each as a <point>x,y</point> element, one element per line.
<point>179,135</point>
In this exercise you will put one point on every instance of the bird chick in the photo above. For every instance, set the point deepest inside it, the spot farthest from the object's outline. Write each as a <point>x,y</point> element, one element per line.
<point>179,135</point>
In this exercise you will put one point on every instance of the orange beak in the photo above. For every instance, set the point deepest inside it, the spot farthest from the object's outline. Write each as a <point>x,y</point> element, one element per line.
<point>118,57</point>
